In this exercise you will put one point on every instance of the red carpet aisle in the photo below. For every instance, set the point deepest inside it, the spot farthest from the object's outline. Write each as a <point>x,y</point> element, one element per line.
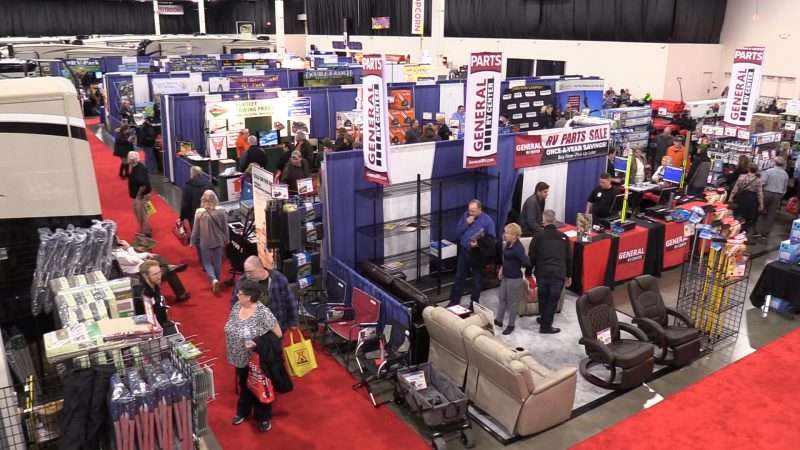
<point>752,404</point>
<point>323,412</point>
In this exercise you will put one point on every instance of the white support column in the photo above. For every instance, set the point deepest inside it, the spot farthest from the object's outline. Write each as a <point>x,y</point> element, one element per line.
<point>201,15</point>
<point>156,19</point>
<point>280,32</point>
<point>433,43</point>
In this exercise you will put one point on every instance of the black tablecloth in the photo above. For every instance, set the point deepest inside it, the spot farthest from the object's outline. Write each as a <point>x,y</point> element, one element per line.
<point>654,258</point>
<point>780,280</point>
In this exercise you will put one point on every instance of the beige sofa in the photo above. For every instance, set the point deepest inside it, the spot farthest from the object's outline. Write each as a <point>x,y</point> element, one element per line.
<point>509,385</point>
<point>532,309</point>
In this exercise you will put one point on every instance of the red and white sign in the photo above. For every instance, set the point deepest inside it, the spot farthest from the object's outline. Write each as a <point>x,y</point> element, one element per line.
<point>676,245</point>
<point>482,109</point>
<point>217,147</point>
<point>375,123</point>
<point>170,10</point>
<point>745,86</point>
<point>631,252</point>
<point>417,17</point>
<point>559,145</point>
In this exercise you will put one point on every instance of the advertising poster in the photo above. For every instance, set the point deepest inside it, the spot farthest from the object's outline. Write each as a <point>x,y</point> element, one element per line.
<point>745,86</point>
<point>219,84</point>
<point>417,17</point>
<point>326,77</point>
<point>242,109</point>
<point>305,186</point>
<point>413,72</point>
<point>262,193</point>
<point>380,23</point>
<point>482,109</point>
<point>558,145</point>
<point>376,129</point>
<point>522,105</point>
<point>254,82</point>
<point>579,95</point>
<point>234,188</point>
<point>217,147</point>
<point>170,86</point>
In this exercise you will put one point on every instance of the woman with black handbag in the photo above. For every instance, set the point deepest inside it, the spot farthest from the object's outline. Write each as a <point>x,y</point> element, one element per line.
<point>249,319</point>
<point>210,235</point>
<point>748,197</point>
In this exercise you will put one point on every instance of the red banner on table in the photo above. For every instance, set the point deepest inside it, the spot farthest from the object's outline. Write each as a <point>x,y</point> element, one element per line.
<point>558,145</point>
<point>375,123</point>
<point>745,86</point>
<point>676,245</point>
<point>482,110</point>
<point>630,254</point>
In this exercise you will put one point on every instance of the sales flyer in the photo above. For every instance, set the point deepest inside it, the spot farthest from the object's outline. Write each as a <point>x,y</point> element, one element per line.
<point>482,109</point>
<point>376,129</point>
<point>262,194</point>
<point>745,86</point>
<point>556,145</point>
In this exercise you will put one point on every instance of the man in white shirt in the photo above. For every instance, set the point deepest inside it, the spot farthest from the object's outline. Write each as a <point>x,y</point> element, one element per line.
<point>129,261</point>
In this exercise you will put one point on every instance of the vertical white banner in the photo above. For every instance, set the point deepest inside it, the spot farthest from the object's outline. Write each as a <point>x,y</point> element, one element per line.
<point>375,126</point>
<point>262,193</point>
<point>417,17</point>
<point>745,86</point>
<point>482,109</point>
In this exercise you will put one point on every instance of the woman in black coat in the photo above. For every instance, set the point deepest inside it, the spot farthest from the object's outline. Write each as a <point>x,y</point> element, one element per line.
<point>123,145</point>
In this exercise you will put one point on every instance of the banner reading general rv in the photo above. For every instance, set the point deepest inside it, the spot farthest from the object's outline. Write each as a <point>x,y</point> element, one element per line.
<point>541,147</point>
<point>745,86</point>
<point>417,17</point>
<point>375,125</point>
<point>483,109</point>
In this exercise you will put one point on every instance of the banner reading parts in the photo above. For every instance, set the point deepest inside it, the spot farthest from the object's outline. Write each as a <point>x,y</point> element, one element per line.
<point>483,109</point>
<point>417,17</point>
<point>375,124</point>
<point>541,147</point>
<point>745,86</point>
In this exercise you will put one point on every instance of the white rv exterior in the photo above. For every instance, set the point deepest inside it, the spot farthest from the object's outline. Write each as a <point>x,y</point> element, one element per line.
<point>46,167</point>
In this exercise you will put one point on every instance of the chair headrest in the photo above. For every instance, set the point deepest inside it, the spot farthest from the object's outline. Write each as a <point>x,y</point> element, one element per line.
<point>646,283</point>
<point>598,295</point>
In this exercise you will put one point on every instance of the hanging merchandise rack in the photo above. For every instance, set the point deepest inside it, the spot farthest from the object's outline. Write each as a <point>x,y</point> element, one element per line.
<point>713,287</point>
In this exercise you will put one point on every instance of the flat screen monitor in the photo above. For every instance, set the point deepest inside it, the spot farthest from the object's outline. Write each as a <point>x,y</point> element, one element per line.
<point>620,164</point>
<point>673,175</point>
<point>337,289</point>
<point>266,138</point>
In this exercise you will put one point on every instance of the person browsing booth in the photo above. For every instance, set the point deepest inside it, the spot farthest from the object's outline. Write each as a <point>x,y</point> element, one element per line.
<point>551,261</point>
<point>600,203</point>
<point>531,217</point>
<point>275,292</point>
<point>476,232</point>
<point>254,155</point>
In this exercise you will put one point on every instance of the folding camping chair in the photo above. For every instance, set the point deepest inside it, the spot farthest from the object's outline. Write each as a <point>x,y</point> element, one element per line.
<point>345,323</point>
<point>380,356</point>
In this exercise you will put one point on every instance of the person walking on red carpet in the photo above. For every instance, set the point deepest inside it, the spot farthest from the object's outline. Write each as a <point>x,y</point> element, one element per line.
<point>210,235</point>
<point>122,146</point>
<point>249,319</point>
<point>139,190</point>
<point>275,291</point>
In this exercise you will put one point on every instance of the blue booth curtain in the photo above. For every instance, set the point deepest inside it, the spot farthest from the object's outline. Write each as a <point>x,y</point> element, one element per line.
<point>582,177</point>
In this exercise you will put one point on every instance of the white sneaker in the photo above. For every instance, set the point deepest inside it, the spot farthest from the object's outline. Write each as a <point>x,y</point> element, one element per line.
<point>215,287</point>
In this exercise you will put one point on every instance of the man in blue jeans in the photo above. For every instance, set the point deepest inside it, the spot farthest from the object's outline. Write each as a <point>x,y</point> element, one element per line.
<point>551,260</point>
<point>470,229</point>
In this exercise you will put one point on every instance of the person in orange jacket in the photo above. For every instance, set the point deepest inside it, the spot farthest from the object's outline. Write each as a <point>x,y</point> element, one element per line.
<point>241,142</point>
<point>677,152</point>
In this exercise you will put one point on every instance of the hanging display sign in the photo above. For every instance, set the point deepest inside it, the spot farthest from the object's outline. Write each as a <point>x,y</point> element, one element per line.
<point>335,77</point>
<point>376,126</point>
<point>558,145</point>
<point>482,109</point>
<point>417,17</point>
<point>170,86</point>
<point>254,82</point>
<point>262,193</point>
<point>745,86</point>
<point>242,108</point>
<point>413,72</point>
<point>299,107</point>
<point>579,85</point>
<point>165,9</point>
<point>193,64</point>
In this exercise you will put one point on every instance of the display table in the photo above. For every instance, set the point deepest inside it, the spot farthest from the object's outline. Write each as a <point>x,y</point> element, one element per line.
<point>630,249</point>
<point>780,280</point>
<point>590,261</point>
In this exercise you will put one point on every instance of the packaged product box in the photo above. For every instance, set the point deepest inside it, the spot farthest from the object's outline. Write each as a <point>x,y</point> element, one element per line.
<point>400,118</point>
<point>794,235</point>
<point>402,99</point>
<point>397,135</point>
<point>789,252</point>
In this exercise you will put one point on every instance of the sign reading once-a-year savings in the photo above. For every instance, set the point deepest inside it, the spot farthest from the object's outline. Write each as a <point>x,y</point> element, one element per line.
<point>375,125</point>
<point>482,109</point>
<point>558,145</point>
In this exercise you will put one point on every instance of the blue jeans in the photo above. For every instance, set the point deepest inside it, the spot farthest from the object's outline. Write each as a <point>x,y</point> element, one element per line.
<point>212,262</point>
<point>549,294</point>
<point>466,265</point>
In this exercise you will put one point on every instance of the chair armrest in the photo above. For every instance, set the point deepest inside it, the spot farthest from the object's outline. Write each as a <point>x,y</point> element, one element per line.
<point>630,329</point>
<point>681,316</point>
<point>596,346</point>
<point>476,319</point>
<point>555,378</point>
<point>649,325</point>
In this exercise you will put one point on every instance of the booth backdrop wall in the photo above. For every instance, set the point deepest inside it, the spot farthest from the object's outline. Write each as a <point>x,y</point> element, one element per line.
<point>326,17</point>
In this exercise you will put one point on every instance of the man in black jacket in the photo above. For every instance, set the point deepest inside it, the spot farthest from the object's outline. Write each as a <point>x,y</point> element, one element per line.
<point>147,140</point>
<point>552,264</point>
<point>531,218</point>
<point>139,190</point>
<point>149,290</point>
<point>192,191</point>
<point>253,155</point>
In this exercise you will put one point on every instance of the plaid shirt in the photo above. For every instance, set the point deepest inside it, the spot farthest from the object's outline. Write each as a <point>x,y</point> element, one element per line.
<point>281,301</point>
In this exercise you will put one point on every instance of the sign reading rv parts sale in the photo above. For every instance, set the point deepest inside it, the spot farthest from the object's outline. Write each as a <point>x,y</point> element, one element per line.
<point>483,109</point>
<point>375,126</point>
<point>558,145</point>
<point>417,17</point>
<point>745,86</point>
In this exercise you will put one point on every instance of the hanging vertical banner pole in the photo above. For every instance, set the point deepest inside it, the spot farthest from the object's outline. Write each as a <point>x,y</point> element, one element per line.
<point>483,109</point>
<point>375,124</point>
<point>156,19</point>
<point>201,15</point>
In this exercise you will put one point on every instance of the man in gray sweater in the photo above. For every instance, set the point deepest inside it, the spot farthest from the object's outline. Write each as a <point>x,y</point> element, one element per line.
<point>531,215</point>
<point>775,181</point>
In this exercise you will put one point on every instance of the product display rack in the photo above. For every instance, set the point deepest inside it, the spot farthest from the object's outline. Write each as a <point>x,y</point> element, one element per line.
<point>422,254</point>
<point>712,295</point>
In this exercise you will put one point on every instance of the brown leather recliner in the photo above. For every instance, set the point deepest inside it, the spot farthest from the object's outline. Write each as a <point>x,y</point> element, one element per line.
<point>598,320</point>
<point>680,343</point>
